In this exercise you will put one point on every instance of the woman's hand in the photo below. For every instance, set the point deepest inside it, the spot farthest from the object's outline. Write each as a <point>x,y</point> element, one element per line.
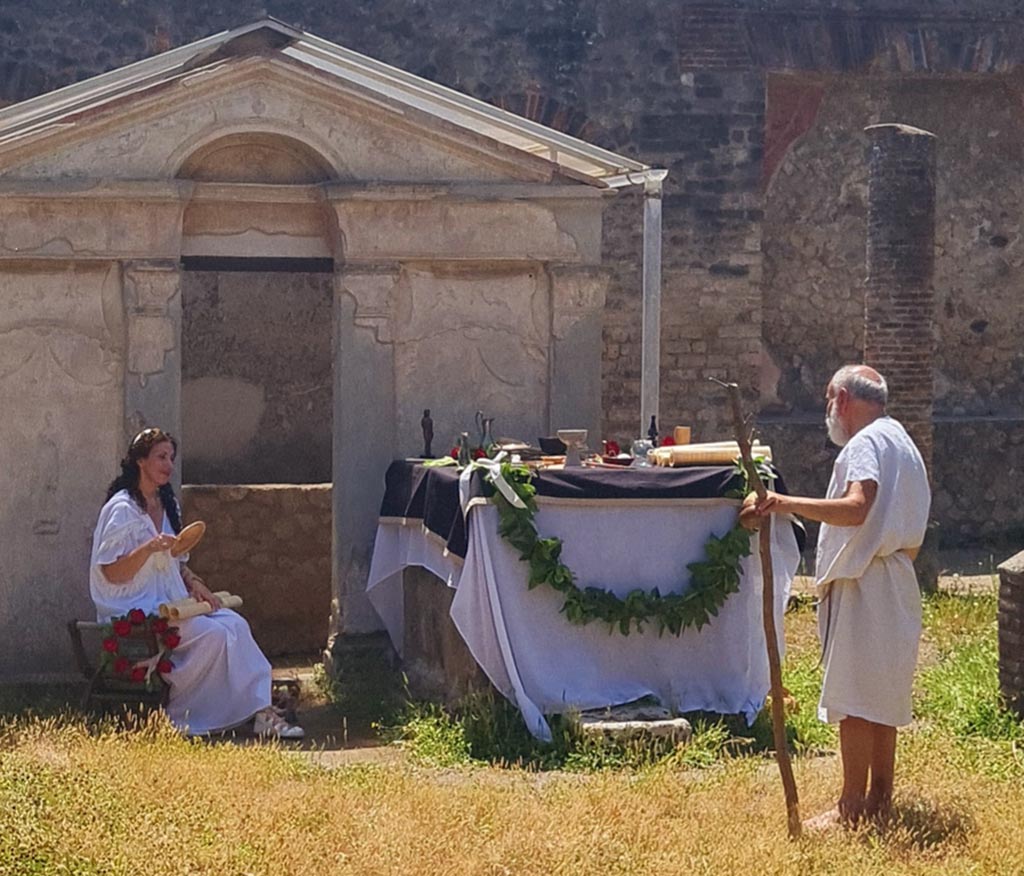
<point>198,588</point>
<point>160,543</point>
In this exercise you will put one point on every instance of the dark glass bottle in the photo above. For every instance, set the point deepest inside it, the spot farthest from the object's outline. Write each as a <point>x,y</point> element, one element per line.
<point>652,433</point>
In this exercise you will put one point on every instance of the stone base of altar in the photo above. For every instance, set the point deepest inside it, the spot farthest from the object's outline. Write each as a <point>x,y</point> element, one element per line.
<point>437,663</point>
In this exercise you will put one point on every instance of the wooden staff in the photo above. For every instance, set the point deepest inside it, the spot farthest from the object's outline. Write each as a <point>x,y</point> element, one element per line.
<point>743,439</point>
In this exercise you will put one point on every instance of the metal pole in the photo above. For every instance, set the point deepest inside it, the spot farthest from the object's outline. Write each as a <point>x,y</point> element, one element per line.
<point>650,357</point>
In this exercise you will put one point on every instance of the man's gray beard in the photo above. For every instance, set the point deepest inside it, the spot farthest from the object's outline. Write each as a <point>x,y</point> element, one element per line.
<point>836,433</point>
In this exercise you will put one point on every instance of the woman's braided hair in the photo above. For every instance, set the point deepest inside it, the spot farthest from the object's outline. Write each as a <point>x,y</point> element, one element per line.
<point>128,480</point>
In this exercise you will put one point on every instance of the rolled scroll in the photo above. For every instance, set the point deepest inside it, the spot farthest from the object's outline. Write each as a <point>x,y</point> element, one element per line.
<point>183,609</point>
<point>716,453</point>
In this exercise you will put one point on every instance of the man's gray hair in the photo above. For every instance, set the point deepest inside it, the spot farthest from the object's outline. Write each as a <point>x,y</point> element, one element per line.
<point>860,385</point>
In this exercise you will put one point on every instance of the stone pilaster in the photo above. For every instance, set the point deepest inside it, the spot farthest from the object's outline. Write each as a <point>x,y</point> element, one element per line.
<point>364,434</point>
<point>151,293</point>
<point>899,300</point>
<point>577,309</point>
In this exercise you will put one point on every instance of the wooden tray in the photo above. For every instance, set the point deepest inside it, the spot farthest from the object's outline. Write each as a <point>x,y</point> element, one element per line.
<point>188,538</point>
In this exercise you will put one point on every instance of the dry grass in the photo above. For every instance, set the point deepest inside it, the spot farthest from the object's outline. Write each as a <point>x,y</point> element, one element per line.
<point>85,801</point>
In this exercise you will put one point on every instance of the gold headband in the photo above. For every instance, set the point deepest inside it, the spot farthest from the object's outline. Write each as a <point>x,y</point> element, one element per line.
<point>145,433</point>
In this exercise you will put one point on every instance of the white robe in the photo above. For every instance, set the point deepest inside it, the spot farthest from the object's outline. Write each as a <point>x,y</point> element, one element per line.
<point>220,676</point>
<point>869,616</point>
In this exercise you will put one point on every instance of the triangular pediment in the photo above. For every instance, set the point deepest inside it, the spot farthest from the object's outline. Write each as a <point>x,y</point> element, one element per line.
<point>269,96</point>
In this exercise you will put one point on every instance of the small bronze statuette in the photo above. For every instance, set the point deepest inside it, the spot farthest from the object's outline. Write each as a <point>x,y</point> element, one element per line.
<point>427,425</point>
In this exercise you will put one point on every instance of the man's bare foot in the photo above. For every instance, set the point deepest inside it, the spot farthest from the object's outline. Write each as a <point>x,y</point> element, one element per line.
<point>823,823</point>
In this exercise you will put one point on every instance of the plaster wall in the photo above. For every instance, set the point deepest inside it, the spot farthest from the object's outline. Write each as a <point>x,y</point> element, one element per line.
<point>62,347</point>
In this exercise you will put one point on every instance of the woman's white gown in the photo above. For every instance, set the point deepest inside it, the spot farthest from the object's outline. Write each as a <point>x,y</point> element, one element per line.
<point>220,676</point>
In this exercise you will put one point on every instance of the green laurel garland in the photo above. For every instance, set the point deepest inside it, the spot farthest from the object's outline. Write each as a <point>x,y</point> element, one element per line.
<point>713,580</point>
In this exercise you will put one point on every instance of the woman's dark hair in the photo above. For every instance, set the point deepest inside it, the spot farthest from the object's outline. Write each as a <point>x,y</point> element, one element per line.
<point>128,480</point>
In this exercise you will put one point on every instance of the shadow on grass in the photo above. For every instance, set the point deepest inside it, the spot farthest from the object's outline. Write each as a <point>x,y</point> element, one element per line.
<point>40,700</point>
<point>923,826</point>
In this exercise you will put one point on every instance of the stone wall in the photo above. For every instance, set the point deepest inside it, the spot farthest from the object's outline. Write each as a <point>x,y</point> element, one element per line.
<point>814,239</point>
<point>256,377</point>
<point>271,545</point>
<point>757,108</point>
<point>977,469</point>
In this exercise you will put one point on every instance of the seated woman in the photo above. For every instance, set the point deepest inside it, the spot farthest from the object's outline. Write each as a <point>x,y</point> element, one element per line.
<point>221,678</point>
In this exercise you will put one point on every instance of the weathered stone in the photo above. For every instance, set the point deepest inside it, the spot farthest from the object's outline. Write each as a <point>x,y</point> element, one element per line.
<point>613,725</point>
<point>1011,639</point>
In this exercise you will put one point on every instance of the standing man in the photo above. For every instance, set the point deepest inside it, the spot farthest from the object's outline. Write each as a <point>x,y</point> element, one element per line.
<point>869,605</point>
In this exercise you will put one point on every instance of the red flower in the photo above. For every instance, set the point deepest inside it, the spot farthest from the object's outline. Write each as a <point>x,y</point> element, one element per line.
<point>164,666</point>
<point>122,665</point>
<point>611,448</point>
<point>172,640</point>
<point>122,628</point>
<point>479,453</point>
<point>668,441</point>
<point>454,452</point>
<point>159,625</point>
<point>110,645</point>
<point>137,616</point>
<point>139,673</point>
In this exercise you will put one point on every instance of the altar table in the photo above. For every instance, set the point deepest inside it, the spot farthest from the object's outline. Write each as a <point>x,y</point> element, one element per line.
<point>638,527</point>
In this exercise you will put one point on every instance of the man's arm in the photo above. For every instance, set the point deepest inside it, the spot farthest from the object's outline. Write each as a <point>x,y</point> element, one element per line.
<point>851,509</point>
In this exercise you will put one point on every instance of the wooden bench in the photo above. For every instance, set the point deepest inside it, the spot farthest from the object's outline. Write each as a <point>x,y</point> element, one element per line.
<point>106,689</point>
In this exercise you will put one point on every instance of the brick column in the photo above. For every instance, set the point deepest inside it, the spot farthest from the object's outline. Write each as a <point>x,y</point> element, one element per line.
<point>899,300</point>
<point>1011,632</point>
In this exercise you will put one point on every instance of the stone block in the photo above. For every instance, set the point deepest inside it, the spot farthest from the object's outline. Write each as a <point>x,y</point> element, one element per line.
<point>1011,640</point>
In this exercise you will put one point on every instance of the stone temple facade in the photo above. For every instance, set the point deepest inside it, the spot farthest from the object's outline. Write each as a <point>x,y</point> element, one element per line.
<point>438,253</point>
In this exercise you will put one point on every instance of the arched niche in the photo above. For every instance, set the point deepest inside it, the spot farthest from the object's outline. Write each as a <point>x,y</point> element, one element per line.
<point>257,157</point>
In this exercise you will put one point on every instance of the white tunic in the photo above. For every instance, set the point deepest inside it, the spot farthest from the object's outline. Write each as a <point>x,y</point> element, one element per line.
<point>869,617</point>
<point>220,676</point>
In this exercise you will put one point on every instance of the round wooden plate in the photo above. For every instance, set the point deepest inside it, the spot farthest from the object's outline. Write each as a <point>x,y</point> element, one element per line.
<point>188,538</point>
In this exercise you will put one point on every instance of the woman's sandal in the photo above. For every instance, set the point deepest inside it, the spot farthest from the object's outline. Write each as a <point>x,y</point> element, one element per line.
<point>268,723</point>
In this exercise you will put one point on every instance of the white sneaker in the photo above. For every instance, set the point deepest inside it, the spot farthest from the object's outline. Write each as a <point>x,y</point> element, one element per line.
<point>268,724</point>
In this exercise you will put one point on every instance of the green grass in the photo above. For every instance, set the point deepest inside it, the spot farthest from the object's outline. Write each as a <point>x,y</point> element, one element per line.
<point>477,794</point>
<point>957,696</point>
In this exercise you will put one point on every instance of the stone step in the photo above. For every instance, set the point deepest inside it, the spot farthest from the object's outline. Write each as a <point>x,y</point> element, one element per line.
<point>635,722</point>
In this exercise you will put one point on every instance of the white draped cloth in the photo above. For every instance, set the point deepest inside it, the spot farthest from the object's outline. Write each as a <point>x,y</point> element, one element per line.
<point>220,676</point>
<point>869,617</point>
<point>546,665</point>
